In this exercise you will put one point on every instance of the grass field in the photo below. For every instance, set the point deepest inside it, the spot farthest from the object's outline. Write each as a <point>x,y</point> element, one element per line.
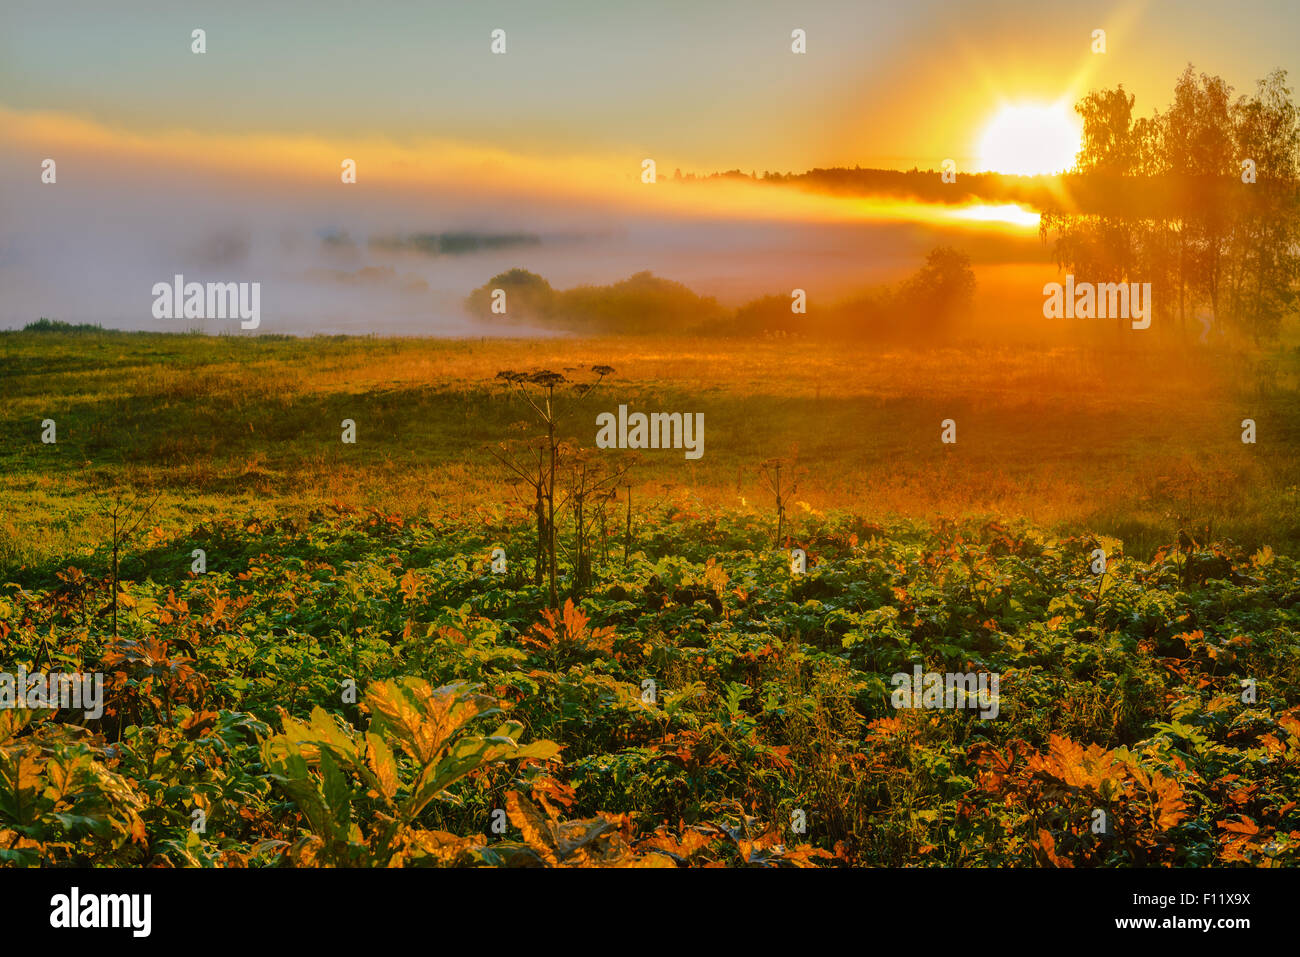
<point>346,680</point>
<point>1133,444</point>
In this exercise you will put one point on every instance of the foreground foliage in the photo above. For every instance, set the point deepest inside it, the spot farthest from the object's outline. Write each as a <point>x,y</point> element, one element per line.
<point>358,689</point>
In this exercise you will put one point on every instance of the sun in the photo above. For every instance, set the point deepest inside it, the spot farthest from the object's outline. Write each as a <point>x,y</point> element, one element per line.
<point>1027,139</point>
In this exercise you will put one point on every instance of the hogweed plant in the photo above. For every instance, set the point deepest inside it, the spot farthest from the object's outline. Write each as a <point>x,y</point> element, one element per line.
<point>541,459</point>
<point>590,485</point>
<point>781,479</point>
<point>121,513</point>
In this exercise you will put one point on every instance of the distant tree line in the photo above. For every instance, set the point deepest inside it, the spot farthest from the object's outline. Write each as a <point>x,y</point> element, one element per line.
<point>921,306</point>
<point>925,185</point>
<point>641,304</point>
<point>451,244</point>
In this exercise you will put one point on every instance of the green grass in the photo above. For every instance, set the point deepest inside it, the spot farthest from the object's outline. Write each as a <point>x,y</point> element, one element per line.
<point>1134,443</point>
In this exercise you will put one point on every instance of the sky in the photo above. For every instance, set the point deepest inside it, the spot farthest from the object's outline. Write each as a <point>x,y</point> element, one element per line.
<point>704,85</point>
<point>229,162</point>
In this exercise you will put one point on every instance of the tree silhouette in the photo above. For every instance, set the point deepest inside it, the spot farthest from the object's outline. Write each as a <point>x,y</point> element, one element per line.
<point>1162,199</point>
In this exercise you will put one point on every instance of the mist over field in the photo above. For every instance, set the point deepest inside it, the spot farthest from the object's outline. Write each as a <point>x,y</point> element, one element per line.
<point>376,262</point>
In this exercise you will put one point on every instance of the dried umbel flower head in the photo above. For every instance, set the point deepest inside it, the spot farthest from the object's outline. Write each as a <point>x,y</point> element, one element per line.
<point>546,378</point>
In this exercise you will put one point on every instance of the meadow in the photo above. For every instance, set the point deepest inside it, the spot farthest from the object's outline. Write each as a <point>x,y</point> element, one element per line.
<point>1136,444</point>
<point>348,681</point>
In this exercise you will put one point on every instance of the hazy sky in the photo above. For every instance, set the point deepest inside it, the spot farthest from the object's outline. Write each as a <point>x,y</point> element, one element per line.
<point>703,85</point>
<point>226,165</point>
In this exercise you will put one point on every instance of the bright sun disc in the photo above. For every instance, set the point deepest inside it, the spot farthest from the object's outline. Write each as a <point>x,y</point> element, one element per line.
<point>1028,140</point>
